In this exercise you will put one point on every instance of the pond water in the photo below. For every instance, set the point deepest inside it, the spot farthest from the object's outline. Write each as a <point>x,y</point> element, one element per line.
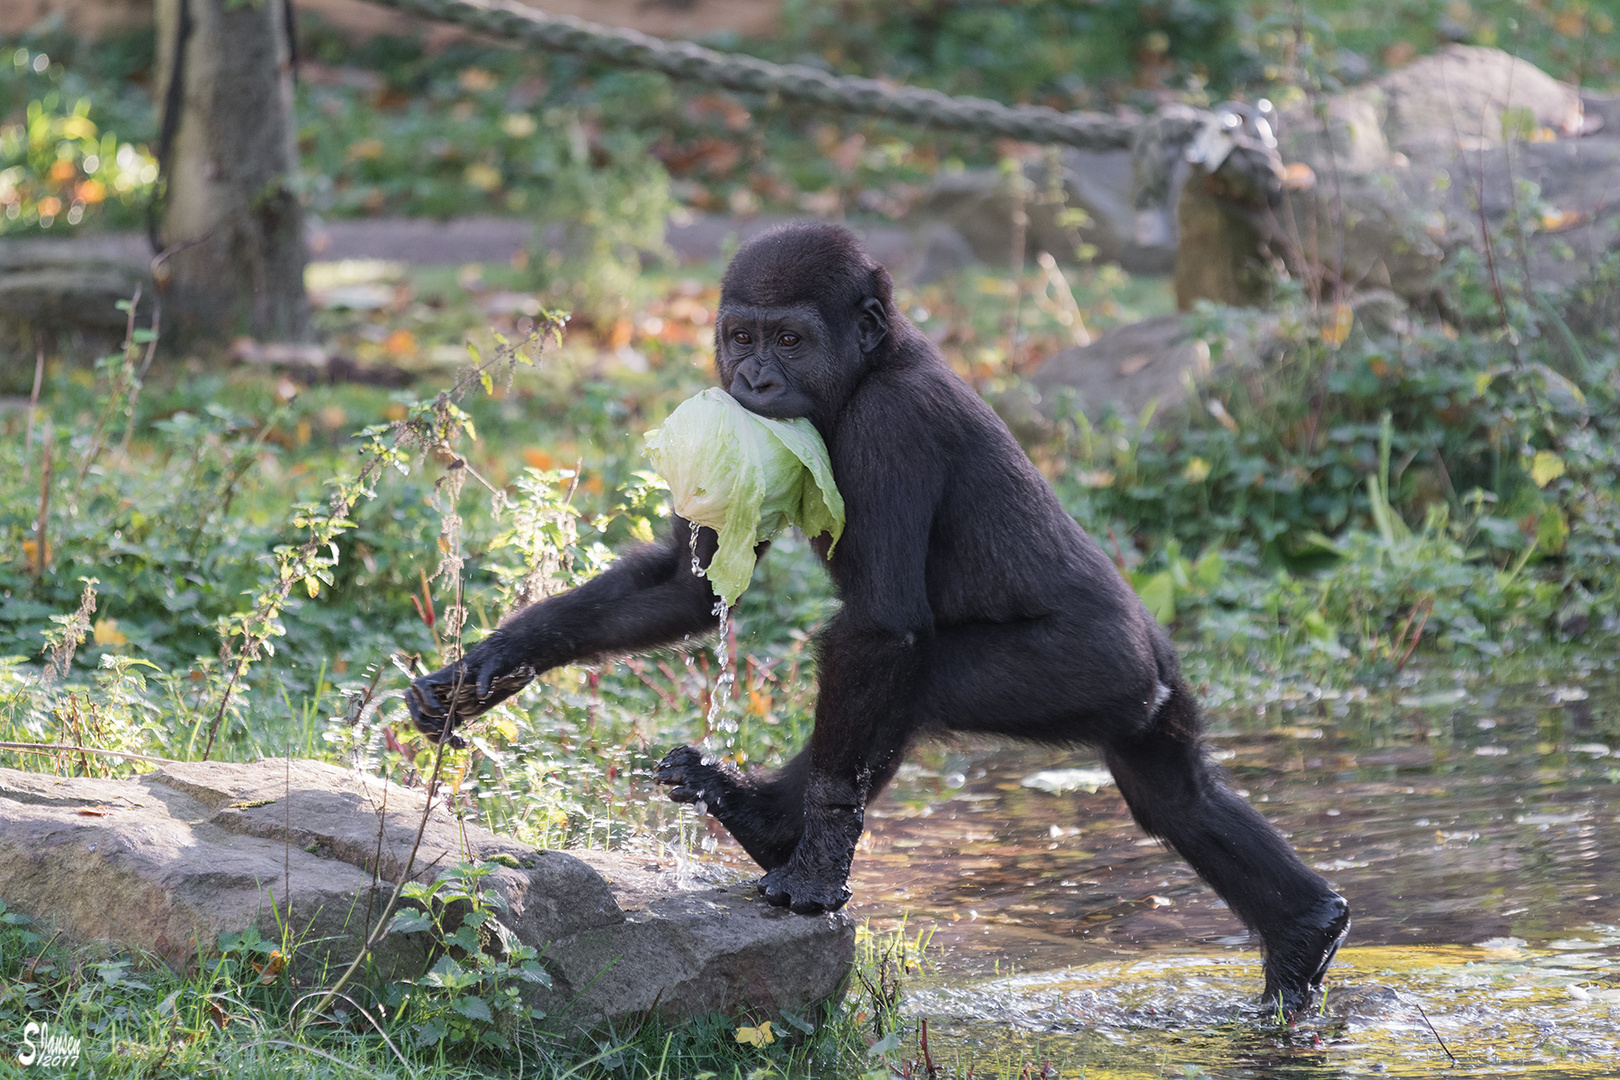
<point>1476,835</point>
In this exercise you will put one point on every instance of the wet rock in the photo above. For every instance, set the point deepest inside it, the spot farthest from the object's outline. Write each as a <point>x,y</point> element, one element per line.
<point>171,860</point>
<point>1363,1006</point>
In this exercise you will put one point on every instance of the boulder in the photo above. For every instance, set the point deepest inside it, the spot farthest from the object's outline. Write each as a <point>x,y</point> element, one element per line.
<point>1163,361</point>
<point>169,861</point>
<point>977,206</point>
<point>1159,359</point>
<point>1422,163</point>
<point>48,288</point>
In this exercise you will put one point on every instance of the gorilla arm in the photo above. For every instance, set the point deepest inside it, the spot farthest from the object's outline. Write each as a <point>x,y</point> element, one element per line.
<point>649,597</point>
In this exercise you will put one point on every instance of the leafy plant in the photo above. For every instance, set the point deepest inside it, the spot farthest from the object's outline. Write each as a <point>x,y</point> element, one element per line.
<point>472,994</point>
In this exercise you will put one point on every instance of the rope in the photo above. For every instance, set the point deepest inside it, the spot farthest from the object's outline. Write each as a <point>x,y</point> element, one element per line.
<point>507,20</point>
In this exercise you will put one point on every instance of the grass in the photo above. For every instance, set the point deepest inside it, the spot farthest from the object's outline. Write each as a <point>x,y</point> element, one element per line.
<point>240,1013</point>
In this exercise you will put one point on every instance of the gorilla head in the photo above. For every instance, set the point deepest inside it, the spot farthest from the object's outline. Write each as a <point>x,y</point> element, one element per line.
<point>804,313</point>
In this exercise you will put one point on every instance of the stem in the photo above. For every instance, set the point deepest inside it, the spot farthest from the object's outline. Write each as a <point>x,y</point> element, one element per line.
<point>379,931</point>
<point>33,403</point>
<point>44,506</point>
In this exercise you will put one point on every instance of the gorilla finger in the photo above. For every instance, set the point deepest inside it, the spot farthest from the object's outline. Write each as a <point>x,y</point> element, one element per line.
<point>680,757</point>
<point>668,772</point>
<point>685,795</point>
<point>423,702</point>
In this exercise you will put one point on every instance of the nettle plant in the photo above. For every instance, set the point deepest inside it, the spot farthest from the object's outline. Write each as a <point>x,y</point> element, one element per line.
<point>473,992</point>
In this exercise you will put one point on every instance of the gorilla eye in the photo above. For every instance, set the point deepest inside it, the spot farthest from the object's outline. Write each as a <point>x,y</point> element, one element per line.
<point>741,337</point>
<point>787,341</point>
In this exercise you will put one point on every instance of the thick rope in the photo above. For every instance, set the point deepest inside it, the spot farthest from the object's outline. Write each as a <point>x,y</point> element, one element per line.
<point>790,82</point>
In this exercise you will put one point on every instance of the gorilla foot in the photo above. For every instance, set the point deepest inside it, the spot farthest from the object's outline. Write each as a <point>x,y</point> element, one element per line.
<point>1297,961</point>
<point>692,778</point>
<point>804,893</point>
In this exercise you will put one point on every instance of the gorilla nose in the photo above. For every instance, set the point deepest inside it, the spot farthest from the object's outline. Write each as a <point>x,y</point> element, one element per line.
<point>760,383</point>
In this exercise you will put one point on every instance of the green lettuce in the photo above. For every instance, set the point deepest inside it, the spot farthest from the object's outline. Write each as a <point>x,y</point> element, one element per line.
<point>746,477</point>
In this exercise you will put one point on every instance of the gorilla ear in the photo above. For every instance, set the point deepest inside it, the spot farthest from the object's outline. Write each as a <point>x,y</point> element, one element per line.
<point>872,325</point>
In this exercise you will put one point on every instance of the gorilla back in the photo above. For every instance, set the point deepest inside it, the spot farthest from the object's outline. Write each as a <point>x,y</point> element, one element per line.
<point>971,602</point>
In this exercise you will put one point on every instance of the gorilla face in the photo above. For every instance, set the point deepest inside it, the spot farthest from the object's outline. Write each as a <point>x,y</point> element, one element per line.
<point>803,318</point>
<point>776,361</point>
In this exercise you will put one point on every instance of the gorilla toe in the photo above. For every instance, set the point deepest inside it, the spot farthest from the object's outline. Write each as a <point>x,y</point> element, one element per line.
<point>803,893</point>
<point>690,778</point>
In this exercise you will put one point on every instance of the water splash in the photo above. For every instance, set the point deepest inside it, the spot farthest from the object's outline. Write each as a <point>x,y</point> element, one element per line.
<point>718,719</point>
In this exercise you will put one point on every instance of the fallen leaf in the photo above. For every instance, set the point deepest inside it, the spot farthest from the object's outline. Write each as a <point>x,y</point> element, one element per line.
<point>760,1036</point>
<point>1338,328</point>
<point>400,343</point>
<point>1555,220</point>
<point>273,966</point>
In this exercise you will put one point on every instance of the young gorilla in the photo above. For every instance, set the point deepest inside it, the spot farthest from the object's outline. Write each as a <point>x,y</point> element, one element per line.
<point>971,603</point>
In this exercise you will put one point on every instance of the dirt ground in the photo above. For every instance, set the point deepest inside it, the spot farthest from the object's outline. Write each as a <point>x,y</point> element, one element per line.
<point>664,18</point>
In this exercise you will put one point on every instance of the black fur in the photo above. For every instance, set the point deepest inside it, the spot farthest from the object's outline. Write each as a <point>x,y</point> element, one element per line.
<point>971,603</point>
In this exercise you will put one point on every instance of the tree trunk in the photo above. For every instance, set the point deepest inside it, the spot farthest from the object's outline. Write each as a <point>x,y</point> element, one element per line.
<point>229,213</point>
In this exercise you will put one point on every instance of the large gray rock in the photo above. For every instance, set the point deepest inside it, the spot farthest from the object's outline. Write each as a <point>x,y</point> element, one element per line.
<point>977,207</point>
<point>169,861</point>
<point>1163,361</point>
<point>1159,359</point>
<point>1424,162</point>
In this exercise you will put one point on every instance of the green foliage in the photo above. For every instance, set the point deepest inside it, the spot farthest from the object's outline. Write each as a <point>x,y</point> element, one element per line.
<point>472,130</point>
<point>472,993</point>
<point>1029,50</point>
<point>66,150</point>
<point>1452,485</point>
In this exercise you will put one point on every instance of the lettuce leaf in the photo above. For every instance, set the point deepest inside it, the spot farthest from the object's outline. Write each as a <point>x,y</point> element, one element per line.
<point>747,477</point>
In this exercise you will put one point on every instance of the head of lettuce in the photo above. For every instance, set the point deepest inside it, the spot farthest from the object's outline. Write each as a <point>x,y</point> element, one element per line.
<point>747,477</point>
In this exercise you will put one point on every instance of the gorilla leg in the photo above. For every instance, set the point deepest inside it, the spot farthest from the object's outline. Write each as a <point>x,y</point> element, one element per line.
<point>1175,794</point>
<point>1057,682</point>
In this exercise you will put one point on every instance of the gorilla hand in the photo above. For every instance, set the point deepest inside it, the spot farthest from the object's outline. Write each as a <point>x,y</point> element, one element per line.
<point>479,681</point>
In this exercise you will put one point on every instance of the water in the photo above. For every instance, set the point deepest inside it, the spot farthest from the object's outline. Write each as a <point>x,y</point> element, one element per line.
<point>1477,837</point>
<point>718,720</point>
